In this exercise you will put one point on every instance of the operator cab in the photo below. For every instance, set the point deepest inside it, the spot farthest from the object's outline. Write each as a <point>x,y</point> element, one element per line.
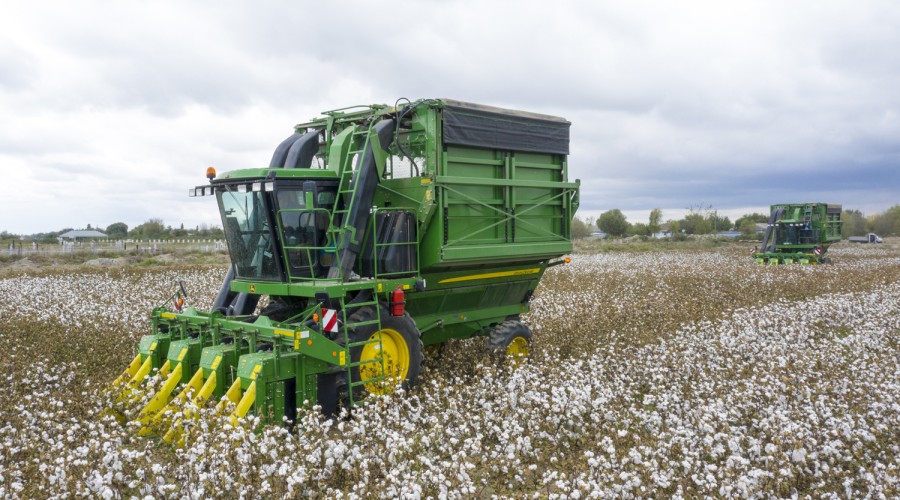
<point>318,211</point>
<point>277,230</point>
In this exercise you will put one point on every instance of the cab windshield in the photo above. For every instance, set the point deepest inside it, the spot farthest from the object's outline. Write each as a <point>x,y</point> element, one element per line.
<point>248,233</point>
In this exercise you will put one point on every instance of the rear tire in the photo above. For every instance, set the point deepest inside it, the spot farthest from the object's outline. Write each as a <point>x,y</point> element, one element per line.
<point>510,342</point>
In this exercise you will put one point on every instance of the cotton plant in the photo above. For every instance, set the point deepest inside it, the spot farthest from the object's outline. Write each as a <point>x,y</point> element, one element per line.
<point>677,374</point>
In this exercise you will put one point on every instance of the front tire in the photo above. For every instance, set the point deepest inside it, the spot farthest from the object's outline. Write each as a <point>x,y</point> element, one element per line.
<point>401,349</point>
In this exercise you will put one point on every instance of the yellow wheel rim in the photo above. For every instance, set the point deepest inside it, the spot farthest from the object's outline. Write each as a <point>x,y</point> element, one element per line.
<point>517,350</point>
<point>395,354</point>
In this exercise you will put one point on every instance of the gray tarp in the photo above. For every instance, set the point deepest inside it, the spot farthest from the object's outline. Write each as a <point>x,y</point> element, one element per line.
<point>466,126</point>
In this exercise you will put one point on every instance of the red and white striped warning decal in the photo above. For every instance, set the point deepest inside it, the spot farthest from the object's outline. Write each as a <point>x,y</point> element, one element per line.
<point>329,320</point>
<point>818,251</point>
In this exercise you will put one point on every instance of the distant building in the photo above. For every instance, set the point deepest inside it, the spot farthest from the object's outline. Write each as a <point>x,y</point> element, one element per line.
<point>82,235</point>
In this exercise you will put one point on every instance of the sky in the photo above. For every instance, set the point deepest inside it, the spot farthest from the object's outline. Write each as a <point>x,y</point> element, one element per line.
<point>109,111</point>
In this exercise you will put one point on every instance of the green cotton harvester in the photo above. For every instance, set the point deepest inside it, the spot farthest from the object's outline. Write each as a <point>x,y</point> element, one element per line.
<point>374,233</point>
<point>799,233</point>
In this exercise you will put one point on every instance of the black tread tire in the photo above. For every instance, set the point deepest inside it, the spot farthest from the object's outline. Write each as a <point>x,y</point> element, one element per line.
<point>402,324</point>
<point>503,334</point>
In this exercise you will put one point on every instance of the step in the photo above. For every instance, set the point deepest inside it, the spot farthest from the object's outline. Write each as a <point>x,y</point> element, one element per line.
<point>363,323</point>
<point>367,381</point>
<point>367,362</point>
<point>366,303</point>
<point>365,342</point>
<point>358,305</point>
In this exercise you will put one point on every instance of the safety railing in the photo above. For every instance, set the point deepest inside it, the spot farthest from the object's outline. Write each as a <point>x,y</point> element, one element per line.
<point>394,244</point>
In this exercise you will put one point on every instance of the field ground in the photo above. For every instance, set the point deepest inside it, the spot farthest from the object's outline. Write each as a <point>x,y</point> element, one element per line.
<point>656,371</point>
<point>71,261</point>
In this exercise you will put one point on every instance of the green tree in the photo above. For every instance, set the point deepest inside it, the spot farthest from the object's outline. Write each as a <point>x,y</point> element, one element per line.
<point>581,229</point>
<point>854,223</point>
<point>214,232</point>
<point>747,227</point>
<point>675,228</point>
<point>639,229</point>
<point>746,223</point>
<point>894,213</point>
<point>613,222</point>
<point>117,230</point>
<point>717,223</point>
<point>886,223</point>
<point>655,223</point>
<point>153,229</point>
<point>696,223</point>
<point>753,218</point>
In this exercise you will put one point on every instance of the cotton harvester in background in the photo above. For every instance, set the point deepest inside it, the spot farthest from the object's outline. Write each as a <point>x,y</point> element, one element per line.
<point>374,231</point>
<point>800,232</point>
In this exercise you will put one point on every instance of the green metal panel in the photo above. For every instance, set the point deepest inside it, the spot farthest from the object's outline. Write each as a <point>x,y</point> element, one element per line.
<point>492,201</point>
<point>281,173</point>
<point>221,359</point>
<point>187,353</point>
<point>156,347</point>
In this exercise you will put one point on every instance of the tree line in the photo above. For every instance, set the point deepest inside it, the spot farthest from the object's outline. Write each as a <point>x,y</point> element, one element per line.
<point>886,223</point>
<point>153,229</point>
<point>705,220</point>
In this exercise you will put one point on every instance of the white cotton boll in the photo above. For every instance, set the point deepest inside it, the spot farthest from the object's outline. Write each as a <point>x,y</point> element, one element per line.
<point>722,410</point>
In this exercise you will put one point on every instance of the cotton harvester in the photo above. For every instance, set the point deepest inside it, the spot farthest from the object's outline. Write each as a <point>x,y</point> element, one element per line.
<point>799,232</point>
<point>375,231</point>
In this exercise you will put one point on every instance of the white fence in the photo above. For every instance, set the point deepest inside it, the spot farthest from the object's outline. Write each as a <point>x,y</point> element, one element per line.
<point>119,246</point>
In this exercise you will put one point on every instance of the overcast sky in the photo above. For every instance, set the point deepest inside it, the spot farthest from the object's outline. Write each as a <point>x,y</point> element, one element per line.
<point>109,111</point>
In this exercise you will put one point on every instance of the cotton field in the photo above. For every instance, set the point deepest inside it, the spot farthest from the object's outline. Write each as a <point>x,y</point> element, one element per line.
<point>654,374</point>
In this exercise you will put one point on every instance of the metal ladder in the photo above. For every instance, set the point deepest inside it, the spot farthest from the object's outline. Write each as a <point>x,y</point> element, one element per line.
<point>347,189</point>
<point>351,383</point>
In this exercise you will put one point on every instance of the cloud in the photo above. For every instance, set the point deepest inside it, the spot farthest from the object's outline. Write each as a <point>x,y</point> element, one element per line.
<point>111,110</point>
<point>17,71</point>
